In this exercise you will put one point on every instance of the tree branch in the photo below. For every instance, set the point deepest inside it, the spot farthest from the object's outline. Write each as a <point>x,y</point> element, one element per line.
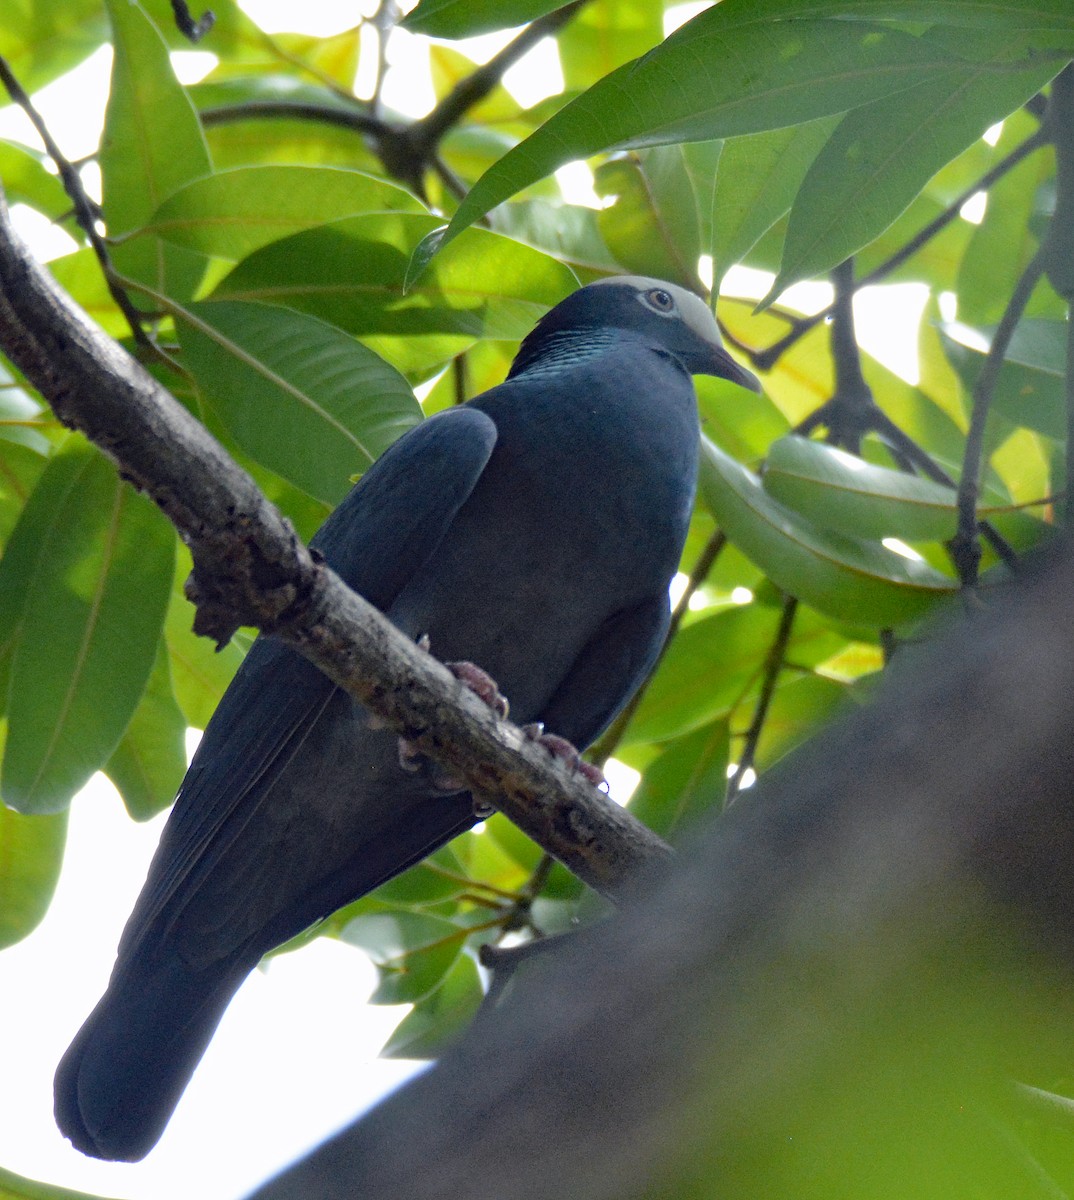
<point>328,114</point>
<point>964,546</point>
<point>251,569</point>
<point>425,134</point>
<point>848,414</point>
<point>772,668</point>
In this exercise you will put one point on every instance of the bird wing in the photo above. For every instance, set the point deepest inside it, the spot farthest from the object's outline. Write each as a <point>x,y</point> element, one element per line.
<point>609,669</point>
<point>381,533</point>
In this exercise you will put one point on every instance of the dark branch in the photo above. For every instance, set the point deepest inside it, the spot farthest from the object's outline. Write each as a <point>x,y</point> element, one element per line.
<point>188,27</point>
<point>905,448</point>
<point>427,133</point>
<point>329,114</point>
<point>773,666</point>
<point>251,569</point>
<point>849,414</point>
<point>85,211</point>
<point>965,547</point>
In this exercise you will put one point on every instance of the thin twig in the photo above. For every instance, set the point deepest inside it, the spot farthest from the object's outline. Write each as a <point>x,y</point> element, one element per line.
<point>1058,245</point>
<point>480,83</point>
<point>848,413</point>
<point>901,444</point>
<point>193,30</point>
<point>766,359</point>
<point>965,547</point>
<point>459,377</point>
<point>773,666</point>
<point>519,916</point>
<point>328,114</point>
<point>85,211</point>
<point>383,21</point>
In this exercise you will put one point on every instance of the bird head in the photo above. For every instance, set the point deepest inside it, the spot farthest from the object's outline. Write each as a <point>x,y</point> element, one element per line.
<point>673,319</point>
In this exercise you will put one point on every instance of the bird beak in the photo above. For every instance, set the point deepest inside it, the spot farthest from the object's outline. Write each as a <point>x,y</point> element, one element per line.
<point>719,363</point>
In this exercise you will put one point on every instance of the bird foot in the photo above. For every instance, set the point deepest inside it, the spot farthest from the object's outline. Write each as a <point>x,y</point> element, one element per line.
<point>560,748</point>
<point>481,683</point>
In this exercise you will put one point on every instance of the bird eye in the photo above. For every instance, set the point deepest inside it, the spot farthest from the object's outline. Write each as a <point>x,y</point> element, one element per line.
<point>661,300</point>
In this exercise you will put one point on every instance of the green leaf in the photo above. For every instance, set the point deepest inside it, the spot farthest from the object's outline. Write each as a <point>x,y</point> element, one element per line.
<point>604,35</point>
<point>152,145</point>
<point>17,410</point>
<point>1016,15</point>
<point>441,1018</point>
<point>1030,387</point>
<point>855,581</point>
<point>468,18</point>
<point>31,850</point>
<point>686,782</point>
<point>711,664</point>
<point>95,581</point>
<point>837,490</point>
<point>352,272</point>
<point>758,179</point>
<point>148,764</point>
<point>41,41</point>
<point>1004,242</point>
<point>770,76</point>
<point>300,396</point>
<point>27,181</point>
<point>20,469</point>
<point>431,881</point>
<point>745,429</point>
<point>799,707</point>
<point>16,1187</point>
<point>241,133</point>
<point>413,951</point>
<point>233,213</point>
<point>653,227</point>
<point>883,153</point>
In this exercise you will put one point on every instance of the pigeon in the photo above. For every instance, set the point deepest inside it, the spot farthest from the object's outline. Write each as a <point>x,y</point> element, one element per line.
<point>532,532</point>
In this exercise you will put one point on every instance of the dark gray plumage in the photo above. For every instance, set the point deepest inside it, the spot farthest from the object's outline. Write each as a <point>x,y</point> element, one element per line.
<point>533,532</point>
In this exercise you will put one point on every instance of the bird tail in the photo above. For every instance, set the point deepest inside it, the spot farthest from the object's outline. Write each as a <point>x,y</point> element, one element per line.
<point>122,1076</point>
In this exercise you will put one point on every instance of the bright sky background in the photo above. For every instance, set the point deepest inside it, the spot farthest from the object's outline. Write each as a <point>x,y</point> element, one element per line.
<point>295,1056</point>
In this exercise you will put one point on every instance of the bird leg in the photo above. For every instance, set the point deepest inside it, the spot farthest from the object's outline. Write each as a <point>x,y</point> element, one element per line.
<point>560,748</point>
<point>481,683</point>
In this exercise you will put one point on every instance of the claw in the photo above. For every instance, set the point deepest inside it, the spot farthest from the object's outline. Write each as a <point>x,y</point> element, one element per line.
<point>410,757</point>
<point>560,748</point>
<point>481,684</point>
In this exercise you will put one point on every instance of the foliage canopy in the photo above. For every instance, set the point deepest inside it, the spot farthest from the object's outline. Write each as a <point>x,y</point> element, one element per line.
<point>281,244</point>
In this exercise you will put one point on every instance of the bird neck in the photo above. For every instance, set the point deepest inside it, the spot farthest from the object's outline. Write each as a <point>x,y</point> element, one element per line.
<point>561,350</point>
